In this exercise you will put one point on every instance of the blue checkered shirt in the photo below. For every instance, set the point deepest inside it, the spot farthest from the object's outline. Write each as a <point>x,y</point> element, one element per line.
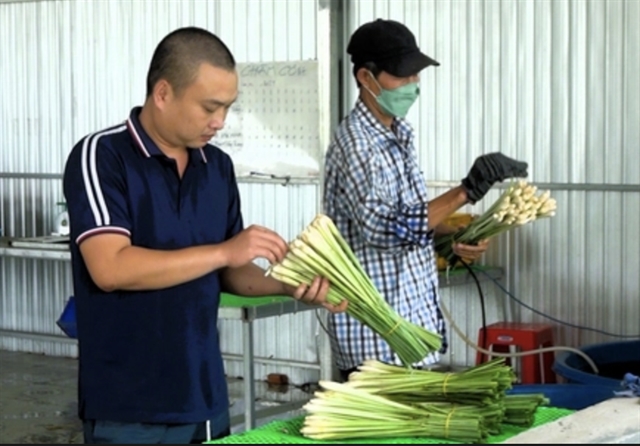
<point>376,195</point>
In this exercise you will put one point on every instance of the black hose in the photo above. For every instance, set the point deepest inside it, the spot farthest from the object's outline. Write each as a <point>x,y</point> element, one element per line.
<point>483,339</point>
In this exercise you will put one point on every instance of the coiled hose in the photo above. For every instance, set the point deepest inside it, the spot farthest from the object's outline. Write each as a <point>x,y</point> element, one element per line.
<point>476,347</point>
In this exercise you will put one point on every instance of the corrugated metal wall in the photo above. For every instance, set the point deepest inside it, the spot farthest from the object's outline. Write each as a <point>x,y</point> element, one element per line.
<point>554,83</point>
<point>70,67</point>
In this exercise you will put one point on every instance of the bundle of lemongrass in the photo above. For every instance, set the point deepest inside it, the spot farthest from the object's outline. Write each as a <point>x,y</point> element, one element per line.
<point>521,409</point>
<point>382,401</point>
<point>343,412</point>
<point>320,250</point>
<point>517,206</point>
<point>480,385</point>
<point>492,415</point>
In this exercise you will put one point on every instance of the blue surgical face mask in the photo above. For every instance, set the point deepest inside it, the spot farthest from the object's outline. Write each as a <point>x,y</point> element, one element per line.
<point>398,101</point>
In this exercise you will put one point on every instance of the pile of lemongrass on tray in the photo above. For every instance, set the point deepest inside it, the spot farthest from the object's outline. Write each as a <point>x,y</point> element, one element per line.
<point>518,205</point>
<point>320,250</point>
<point>343,412</point>
<point>385,401</point>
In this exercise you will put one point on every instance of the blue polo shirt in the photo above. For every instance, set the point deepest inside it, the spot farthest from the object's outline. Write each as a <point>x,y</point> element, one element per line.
<point>149,356</point>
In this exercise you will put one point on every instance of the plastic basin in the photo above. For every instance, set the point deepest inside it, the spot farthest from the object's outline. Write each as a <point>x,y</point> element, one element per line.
<point>613,360</point>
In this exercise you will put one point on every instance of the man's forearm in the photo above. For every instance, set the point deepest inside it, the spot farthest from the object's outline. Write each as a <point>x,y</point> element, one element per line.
<point>135,268</point>
<point>249,280</point>
<point>446,204</point>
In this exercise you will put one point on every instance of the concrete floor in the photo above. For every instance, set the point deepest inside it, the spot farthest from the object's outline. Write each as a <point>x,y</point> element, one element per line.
<point>38,400</point>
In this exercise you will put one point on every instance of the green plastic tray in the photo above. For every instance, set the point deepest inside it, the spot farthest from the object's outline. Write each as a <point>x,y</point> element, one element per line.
<point>288,432</point>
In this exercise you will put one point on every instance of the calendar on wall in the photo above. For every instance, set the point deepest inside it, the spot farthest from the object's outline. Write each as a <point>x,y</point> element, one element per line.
<point>272,128</point>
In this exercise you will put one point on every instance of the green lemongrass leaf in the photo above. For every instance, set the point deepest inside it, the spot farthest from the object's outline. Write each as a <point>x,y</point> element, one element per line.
<point>346,390</point>
<point>338,411</point>
<point>346,425</point>
<point>364,435</point>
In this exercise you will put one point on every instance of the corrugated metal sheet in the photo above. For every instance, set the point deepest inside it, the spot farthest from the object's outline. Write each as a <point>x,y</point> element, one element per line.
<point>556,84</point>
<point>71,67</point>
<point>289,209</point>
<point>551,82</point>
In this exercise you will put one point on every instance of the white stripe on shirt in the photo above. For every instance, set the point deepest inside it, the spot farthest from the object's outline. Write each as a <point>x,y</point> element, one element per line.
<point>90,176</point>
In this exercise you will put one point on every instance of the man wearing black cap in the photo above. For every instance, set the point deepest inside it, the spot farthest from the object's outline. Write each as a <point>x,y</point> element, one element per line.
<point>377,197</point>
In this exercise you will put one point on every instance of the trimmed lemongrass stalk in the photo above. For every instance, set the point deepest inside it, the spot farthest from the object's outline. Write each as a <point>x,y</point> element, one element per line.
<point>342,413</point>
<point>320,250</point>
<point>517,206</point>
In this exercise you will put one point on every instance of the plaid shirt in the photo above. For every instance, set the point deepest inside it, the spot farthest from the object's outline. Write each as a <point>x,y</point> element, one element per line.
<point>376,195</point>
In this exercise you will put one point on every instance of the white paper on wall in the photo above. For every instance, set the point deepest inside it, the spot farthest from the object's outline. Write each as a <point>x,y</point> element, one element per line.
<point>272,129</point>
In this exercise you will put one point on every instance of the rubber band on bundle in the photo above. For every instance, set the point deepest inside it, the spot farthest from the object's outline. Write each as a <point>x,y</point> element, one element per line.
<point>447,421</point>
<point>395,327</point>
<point>444,384</point>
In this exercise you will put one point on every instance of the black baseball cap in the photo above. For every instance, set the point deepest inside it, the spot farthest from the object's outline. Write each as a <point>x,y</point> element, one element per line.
<point>390,45</point>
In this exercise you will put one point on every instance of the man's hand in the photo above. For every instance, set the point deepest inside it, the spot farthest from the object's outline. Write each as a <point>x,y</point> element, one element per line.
<point>488,170</point>
<point>315,294</point>
<point>470,253</point>
<point>252,243</point>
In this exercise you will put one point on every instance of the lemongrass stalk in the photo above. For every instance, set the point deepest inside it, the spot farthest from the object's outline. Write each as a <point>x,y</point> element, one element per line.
<point>362,396</point>
<point>329,229</point>
<point>293,279</point>
<point>330,233</point>
<point>321,247</point>
<point>301,265</point>
<point>306,256</point>
<point>315,426</point>
<point>292,270</point>
<point>348,411</point>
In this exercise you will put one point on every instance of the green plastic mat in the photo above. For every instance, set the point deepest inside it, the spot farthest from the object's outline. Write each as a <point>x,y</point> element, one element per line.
<point>233,301</point>
<point>288,432</point>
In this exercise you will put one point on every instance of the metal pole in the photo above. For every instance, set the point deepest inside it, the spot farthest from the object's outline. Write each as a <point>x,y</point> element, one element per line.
<point>273,361</point>
<point>329,47</point>
<point>249,389</point>
<point>41,337</point>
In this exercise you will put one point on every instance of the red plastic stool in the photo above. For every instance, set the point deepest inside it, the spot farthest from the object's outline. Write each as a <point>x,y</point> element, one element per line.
<point>501,335</point>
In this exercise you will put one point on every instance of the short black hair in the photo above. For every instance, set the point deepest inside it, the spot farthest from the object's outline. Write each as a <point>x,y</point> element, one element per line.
<point>180,53</point>
<point>372,67</point>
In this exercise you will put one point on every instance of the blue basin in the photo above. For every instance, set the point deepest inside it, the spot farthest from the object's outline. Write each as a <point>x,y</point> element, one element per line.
<point>613,360</point>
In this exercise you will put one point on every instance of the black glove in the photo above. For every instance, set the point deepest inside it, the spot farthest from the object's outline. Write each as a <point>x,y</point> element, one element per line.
<point>488,170</point>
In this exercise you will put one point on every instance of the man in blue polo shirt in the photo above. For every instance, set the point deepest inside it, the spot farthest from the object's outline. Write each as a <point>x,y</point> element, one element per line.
<point>157,234</point>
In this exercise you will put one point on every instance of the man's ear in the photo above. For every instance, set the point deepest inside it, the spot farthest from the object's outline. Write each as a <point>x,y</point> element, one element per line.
<point>364,77</point>
<point>162,91</point>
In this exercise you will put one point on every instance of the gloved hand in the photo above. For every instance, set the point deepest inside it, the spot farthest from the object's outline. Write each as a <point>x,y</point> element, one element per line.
<point>488,170</point>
